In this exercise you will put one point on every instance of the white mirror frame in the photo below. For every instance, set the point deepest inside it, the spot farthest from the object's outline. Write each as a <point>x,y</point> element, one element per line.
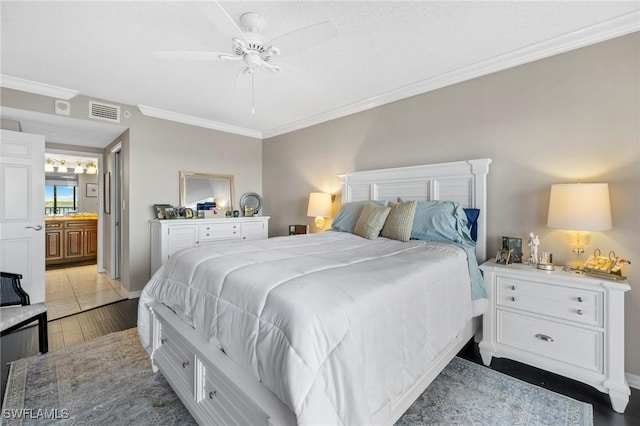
<point>215,179</point>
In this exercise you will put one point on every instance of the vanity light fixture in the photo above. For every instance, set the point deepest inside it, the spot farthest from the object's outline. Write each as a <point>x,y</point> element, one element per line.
<point>91,168</point>
<point>579,208</point>
<point>319,207</point>
<point>79,169</point>
<point>48,165</point>
<point>62,167</point>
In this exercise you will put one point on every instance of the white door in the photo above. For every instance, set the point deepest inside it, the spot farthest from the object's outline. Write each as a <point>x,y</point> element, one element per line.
<point>22,209</point>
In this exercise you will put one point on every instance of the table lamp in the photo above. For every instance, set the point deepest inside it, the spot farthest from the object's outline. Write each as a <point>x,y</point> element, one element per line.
<point>579,208</point>
<point>319,207</point>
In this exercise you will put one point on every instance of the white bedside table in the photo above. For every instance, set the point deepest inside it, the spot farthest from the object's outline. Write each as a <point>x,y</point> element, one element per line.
<point>567,323</point>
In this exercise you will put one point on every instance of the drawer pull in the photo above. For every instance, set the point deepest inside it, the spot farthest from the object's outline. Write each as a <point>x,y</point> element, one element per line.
<point>512,287</point>
<point>579,312</point>
<point>213,394</point>
<point>163,341</point>
<point>185,364</point>
<point>580,299</point>
<point>544,337</point>
<point>513,299</point>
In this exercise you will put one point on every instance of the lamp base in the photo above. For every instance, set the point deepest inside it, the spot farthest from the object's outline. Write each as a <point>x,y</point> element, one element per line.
<point>546,266</point>
<point>319,221</point>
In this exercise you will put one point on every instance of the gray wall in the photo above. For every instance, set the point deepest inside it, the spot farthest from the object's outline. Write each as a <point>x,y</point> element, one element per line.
<point>154,151</point>
<point>569,118</point>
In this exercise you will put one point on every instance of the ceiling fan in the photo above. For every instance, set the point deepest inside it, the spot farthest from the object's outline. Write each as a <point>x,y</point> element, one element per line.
<point>250,46</point>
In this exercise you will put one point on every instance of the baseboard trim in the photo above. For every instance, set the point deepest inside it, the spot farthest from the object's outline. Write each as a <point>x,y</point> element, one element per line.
<point>633,380</point>
<point>134,294</point>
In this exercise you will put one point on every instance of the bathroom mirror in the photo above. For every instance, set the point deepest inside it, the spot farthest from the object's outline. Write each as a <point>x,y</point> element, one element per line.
<point>206,187</point>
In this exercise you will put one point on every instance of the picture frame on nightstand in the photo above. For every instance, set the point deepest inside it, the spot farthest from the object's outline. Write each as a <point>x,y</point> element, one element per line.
<point>503,257</point>
<point>515,245</point>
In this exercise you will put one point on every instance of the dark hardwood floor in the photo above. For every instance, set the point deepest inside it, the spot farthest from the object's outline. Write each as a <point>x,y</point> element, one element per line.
<point>68,331</point>
<point>123,315</point>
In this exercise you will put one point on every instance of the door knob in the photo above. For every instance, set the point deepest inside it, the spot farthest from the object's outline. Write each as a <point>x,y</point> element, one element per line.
<point>37,227</point>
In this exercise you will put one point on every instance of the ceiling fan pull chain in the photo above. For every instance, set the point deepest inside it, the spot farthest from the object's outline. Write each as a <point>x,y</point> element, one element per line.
<point>253,94</point>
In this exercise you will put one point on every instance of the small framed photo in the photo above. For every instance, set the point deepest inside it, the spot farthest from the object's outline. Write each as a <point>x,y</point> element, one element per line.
<point>170,213</point>
<point>160,210</point>
<point>92,190</point>
<point>514,244</point>
<point>503,257</point>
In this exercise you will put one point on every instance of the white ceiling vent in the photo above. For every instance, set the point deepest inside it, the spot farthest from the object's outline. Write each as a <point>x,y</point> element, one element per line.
<point>103,111</point>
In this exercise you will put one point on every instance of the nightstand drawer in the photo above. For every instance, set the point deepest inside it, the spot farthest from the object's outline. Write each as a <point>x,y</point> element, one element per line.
<point>577,346</point>
<point>574,304</point>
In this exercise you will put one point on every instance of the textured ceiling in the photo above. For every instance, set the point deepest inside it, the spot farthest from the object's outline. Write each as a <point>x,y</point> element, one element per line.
<point>385,50</point>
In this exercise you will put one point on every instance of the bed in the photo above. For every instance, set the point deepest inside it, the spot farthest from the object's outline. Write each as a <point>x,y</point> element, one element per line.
<point>328,328</point>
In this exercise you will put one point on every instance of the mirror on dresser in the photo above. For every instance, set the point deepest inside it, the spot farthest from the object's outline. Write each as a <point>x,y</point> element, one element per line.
<point>206,187</point>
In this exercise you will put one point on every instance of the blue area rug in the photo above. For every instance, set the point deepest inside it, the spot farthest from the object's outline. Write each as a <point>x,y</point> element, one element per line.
<point>108,380</point>
<point>465,393</point>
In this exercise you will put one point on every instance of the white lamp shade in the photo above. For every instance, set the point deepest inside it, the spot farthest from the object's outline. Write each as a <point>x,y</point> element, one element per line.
<point>580,207</point>
<point>319,205</point>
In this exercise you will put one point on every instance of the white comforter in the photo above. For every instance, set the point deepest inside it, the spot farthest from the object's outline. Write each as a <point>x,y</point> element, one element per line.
<point>335,325</point>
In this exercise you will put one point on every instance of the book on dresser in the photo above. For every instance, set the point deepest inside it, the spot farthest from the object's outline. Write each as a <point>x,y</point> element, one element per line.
<point>564,322</point>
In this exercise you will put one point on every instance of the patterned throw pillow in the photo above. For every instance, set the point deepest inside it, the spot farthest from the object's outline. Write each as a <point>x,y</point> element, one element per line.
<point>349,213</point>
<point>400,220</point>
<point>371,221</point>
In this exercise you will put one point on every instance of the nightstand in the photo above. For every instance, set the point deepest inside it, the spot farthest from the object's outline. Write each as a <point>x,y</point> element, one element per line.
<point>567,323</point>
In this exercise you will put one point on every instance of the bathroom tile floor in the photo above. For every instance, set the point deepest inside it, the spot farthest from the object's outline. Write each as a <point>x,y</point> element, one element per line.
<point>77,289</point>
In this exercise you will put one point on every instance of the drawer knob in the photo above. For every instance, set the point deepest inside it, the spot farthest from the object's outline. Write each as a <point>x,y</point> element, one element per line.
<point>579,312</point>
<point>512,287</point>
<point>544,337</point>
<point>185,364</point>
<point>580,299</point>
<point>513,299</point>
<point>163,341</point>
<point>213,394</point>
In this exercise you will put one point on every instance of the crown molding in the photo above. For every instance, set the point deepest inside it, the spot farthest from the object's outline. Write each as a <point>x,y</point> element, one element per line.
<point>197,121</point>
<point>617,27</point>
<point>38,88</point>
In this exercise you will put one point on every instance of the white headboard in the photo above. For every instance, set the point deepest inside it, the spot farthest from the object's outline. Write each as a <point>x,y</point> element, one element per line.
<point>461,181</point>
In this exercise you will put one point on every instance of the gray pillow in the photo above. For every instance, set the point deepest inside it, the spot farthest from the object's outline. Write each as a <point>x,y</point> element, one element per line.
<point>400,220</point>
<point>371,221</point>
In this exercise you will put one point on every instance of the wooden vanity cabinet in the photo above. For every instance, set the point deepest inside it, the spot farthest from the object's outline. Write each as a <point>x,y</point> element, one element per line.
<point>54,241</point>
<point>71,240</point>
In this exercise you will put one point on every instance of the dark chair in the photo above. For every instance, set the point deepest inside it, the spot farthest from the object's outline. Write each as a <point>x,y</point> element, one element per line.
<point>298,229</point>
<point>16,310</point>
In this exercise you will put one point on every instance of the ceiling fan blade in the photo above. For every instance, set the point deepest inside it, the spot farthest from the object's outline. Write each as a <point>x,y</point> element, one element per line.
<point>304,38</point>
<point>193,55</point>
<point>221,19</point>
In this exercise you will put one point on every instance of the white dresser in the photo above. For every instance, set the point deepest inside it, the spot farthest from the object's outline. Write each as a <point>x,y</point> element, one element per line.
<point>169,236</point>
<point>567,323</point>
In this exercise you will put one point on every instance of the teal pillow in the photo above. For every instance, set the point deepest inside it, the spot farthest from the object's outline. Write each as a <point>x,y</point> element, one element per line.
<point>347,216</point>
<point>441,221</point>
